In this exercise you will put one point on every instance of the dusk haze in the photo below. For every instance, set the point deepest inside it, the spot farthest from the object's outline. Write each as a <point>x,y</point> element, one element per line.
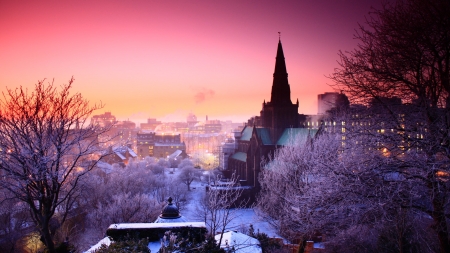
<point>165,59</point>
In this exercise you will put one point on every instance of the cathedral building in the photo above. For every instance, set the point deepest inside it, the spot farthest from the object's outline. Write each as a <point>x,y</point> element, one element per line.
<point>277,125</point>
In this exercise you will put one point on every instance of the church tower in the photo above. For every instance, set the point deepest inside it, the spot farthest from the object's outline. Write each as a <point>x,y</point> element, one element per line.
<point>279,113</point>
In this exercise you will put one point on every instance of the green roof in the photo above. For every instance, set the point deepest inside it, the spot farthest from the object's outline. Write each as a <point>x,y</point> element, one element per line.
<point>241,156</point>
<point>264,135</point>
<point>299,134</point>
<point>246,133</point>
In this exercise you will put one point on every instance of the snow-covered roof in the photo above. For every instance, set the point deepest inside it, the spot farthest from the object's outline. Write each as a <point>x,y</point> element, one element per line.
<point>157,225</point>
<point>241,243</point>
<point>105,241</point>
<point>175,154</point>
<point>119,154</point>
<point>132,153</point>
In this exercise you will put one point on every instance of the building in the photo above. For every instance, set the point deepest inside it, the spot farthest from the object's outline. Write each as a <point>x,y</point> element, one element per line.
<point>123,133</point>
<point>150,125</point>
<point>226,150</point>
<point>326,101</point>
<point>103,120</point>
<point>278,122</point>
<point>191,120</point>
<point>158,145</point>
<point>120,155</point>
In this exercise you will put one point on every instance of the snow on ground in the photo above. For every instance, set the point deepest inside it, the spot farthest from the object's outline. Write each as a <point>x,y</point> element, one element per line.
<point>244,217</point>
<point>241,243</point>
<point>154,246</point>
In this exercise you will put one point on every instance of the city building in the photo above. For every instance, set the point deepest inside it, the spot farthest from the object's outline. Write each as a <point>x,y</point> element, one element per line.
<point>226,150</point>
<point>103,120</point>
<point>123,133</point>
<point>191,120</point>
<point>326,101</point>
<point>120,155</point>
<point>150,125</point>
<point>158,145</point>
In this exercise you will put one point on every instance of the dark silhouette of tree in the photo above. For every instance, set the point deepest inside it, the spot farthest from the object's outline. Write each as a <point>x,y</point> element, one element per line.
<point>46,146</point>
<point>404,54</point>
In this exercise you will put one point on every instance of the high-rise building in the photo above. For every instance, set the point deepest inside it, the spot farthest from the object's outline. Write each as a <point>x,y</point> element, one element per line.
<point>326,101</point>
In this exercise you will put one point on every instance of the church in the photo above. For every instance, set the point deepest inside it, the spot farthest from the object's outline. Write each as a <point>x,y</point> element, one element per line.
<point>278,123</point>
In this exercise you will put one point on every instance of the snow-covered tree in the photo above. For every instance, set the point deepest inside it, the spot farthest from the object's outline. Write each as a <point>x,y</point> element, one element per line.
<point>401,68</point>
<point>46,146</point>
<point>188,173</point>
<point>347,188</point>
<point>127,208</point>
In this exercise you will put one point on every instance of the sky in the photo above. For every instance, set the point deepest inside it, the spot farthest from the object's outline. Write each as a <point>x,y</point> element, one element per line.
<point>166,59</point>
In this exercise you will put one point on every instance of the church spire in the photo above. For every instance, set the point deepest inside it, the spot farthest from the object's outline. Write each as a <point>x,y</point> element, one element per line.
<point>281,92</point>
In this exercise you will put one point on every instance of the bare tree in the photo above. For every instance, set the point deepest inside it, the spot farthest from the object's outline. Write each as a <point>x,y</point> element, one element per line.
<point>404,55</point>
<point>46,146</point>
<point>218,206</point>
<point>188,173</point>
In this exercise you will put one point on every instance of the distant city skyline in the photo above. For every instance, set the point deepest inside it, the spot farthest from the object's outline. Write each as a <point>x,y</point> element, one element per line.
<point>165,59</point>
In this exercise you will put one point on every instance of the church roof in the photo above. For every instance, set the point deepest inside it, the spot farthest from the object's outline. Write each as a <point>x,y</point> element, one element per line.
<point>241,156</point>
<point>299,134</point>
<point>264,135</point>
<point>246,133</point>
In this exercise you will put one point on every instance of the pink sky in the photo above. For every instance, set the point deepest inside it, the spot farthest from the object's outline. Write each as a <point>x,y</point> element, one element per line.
<point>164,59</point>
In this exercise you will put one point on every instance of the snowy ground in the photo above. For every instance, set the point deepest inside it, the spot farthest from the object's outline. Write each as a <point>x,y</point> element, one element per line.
<point>244,217</point>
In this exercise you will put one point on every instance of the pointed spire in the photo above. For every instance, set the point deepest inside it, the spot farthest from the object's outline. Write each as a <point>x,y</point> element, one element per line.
<point>281,92</point>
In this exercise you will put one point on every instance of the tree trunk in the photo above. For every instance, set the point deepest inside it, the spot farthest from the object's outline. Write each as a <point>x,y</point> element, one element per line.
<point>439,217</point>
<point>442,230</point>
<point>47,238</point>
